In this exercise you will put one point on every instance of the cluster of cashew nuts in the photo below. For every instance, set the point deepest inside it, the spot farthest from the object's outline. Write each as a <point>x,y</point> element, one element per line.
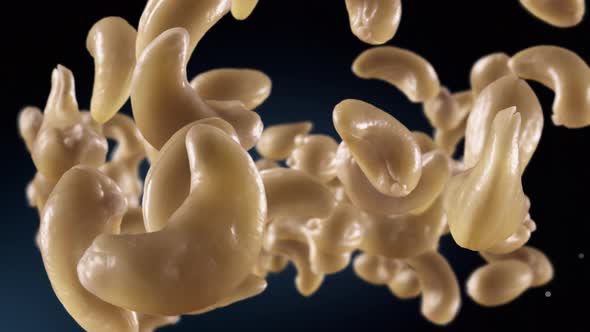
<point>209,223</point>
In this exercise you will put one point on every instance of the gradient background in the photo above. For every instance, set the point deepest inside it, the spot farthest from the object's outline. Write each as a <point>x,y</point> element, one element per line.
<point>307,48</point>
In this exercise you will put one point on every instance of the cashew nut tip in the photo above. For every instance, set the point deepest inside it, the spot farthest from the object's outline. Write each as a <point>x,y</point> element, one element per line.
<point>249,86</point>
<point>374,21</point>
<point>487,69</point>
<point>486,203</point>
<point>84,204</point>
<point>559,13</point>
<point>277,142</point>
<point>382,146</point>
<point>537,261</point>
<point>315,155</point>
<point>248,124</point>
<point>209,246</point>
<point>562,71</point>
<point>111,42</point>
<point>196,17</point>
<point>241,9</point>
<point>405,70</point>
<point>30,119</point>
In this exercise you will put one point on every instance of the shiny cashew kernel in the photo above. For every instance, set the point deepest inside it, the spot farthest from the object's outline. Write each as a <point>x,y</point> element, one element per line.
<point>196,17</point>
<point>505,92</point>
<point>315,155</point>
<point>277,142</point>
<point>536,260</point>
<point>247,124</point>
<point>84,204</point>
<point>382,146</point>
<point>499,282</point>
<point>441,298</point>
<point>447,140</point>
<point>486,204</point>
<point>405,70</point>
<point>249,86</point>
<point>111,42</point>
<point>559,13</point>
<point>486,70</point>
<point>209,246</point>
<point>241,9</point>
<point>562,71</point>
<point>374,21</point>
<point>435,174</point>
<point>425,142</point>
<point>443,111</point>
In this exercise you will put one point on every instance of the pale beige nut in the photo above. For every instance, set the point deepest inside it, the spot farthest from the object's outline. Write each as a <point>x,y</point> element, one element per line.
<point>562,71</point>
<point>486,70</point>
<point>447,140</point>
<point>436,171</point>
<point>278,141</point>
<point>67,137</point>
<point>208,248</point>
<point>404,284</point>
<point>559,13</point>
<point>505,92</point>
<point>404,69</point>
<point>499,282</point>
<point>403,236</point>
<point>250,287</point>
<point>161,97</point>
<point>172,171</point>
<point>425,142</point>
<point>537,261</point>
<point>332,240</point>
<point>241,9</point>
<point>441,296</point>
<point>443,111</point>
<point>374,21</point>
<point>293,194</point>
<point>374,269</point>
<point>268,262</point>
<point>486,203</point>
<point>248,124</point>
<point>126,159</point>
<point>315,155</point>
<point>111,42</point>
<point>516,240</point>
<point>38,191</point>
<point>30,119</point>
<point>84,204</point>
<point>382,146</point>
<point>249,86</point>
<point>196,17</point>
<point>263,164</point>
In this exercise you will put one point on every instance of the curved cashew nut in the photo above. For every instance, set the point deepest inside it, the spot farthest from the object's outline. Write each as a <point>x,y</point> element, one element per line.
<point>499,282</point>
<point>67,137</point>
<point>443,111</point>
<point>382,146</point>
<point>486,204</point>
<point>374,269</point>
<point>162,99</point>
<point>111,42</point>
<point>403,236</point>
<point>559,13</point>
<point>436,171</point>
<point>562,71</point>
<point>277,142</point>
<point>83,204</point>
<point>241,9</point>
<point>405,283</point>
<point>249,86</point>
<point>404,69</point>
<point>209,247</point>
<point>505,92</point>
<point>537,261</point>
<point>125,161</point>
<point>172,171</point>
<point>374,21</point>
<point>197,17</point>
<point>441,298</point>
<point>332,240</point>
<point>293,194</point>
<point>487,69</point>
<point>315,155</point>
<point>447,140</point>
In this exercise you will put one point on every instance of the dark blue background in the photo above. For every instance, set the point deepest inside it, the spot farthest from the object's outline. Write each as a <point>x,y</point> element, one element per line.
<point>307,49</point>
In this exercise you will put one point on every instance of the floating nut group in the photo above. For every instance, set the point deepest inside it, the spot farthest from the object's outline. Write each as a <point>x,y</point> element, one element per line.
<point>209,224</point>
